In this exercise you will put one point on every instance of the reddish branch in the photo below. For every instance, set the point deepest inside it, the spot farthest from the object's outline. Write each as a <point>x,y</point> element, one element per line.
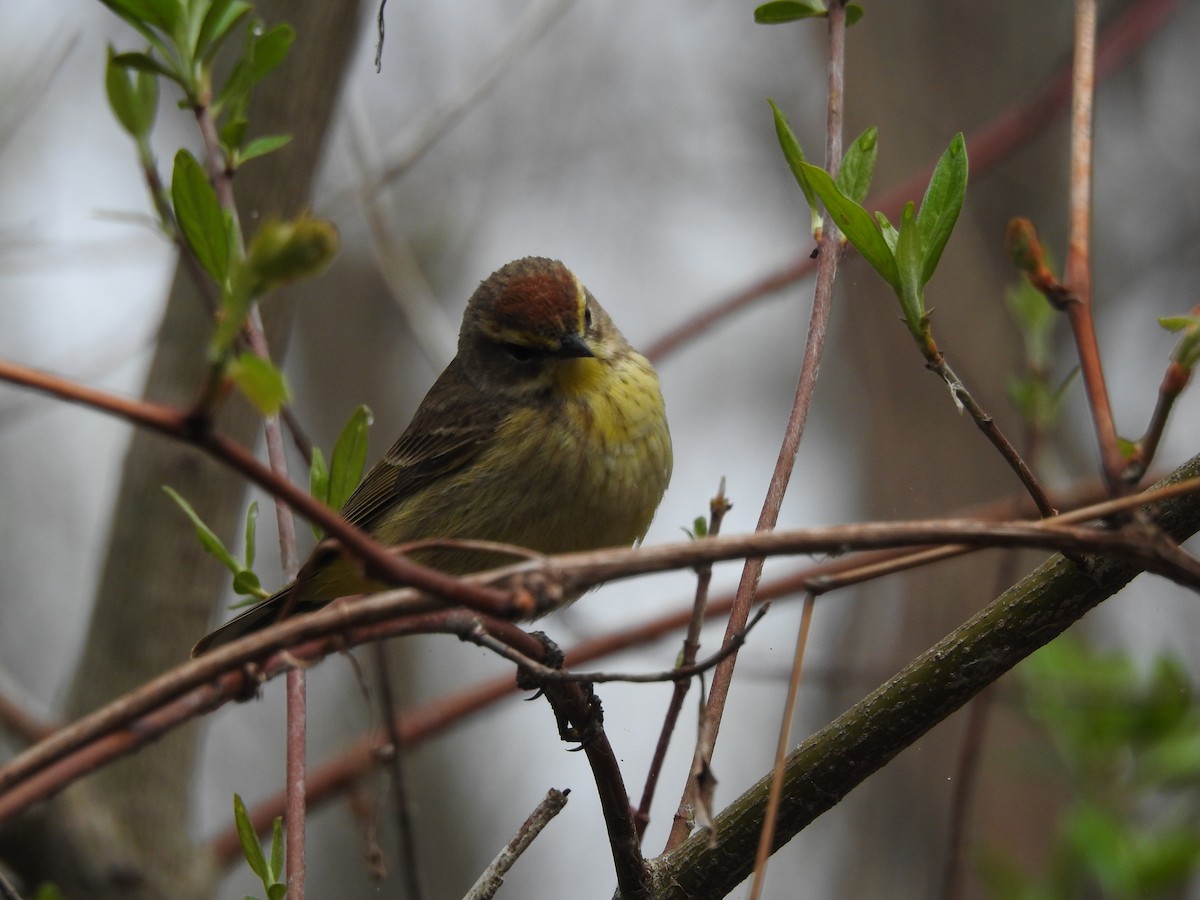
<point>379,561</point>
<point>390,614</point>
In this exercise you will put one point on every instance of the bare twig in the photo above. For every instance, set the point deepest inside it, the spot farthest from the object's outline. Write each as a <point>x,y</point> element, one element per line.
<point>396,764</point>
<point>1078,274</point>
<point>767,835</point>
<point>718,506</point>
<point>830,253</point>
<point>492,877</point>
<point>535,21</point>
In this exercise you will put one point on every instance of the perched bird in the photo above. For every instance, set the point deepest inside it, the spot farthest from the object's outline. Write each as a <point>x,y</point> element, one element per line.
<point>547,430</point>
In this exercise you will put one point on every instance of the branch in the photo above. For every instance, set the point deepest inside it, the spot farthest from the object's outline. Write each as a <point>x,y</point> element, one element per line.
<point>824,768</point>
<point>174,423</point>
<point>207,682</point>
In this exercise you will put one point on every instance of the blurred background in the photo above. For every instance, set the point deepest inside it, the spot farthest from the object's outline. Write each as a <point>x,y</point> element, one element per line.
<point>635,143</point>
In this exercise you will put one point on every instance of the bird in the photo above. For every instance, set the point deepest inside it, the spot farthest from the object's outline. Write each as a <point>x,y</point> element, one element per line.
<point>547,430</point>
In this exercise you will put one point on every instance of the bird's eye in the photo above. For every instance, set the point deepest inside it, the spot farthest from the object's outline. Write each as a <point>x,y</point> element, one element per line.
<point>519,352</point>
<point>587,318</point>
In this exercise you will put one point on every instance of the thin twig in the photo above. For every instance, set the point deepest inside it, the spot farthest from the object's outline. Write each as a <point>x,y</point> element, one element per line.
<point>767,837</point>
<point>827,265</point>
<point>491,879</point>
<point>718,506</point>
<point>1078,274</point>
<point>395,760</point>
<point>992,432</point>
<point>535,21</point>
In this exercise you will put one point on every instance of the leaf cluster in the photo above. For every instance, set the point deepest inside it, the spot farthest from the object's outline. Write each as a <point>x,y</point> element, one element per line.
<point>904,257</point>
<point>1126,743</point>
<point>269,871</point>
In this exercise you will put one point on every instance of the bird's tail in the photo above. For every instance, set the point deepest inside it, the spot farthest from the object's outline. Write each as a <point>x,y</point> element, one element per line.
<point>253,619</point>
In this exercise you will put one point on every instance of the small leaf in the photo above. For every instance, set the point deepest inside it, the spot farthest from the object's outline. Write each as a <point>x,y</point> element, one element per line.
<point>246,584</point>
<point>261,382</point>
<point>133,96</point>
<point>1187,352</point>
<point>222,16</point>
<point>144,62</point>
<point>909,256</point>
<point>854,12</point>
<point>248,839</point>
<point>161,14</point>
<point>789,11</point>
<point>270,48</point>
<point>233,133</point>
<point>795,160</point>
<point>251,527</point>
<point>349,458</point>
<point>858,166</point>
<point>856,224</point>
<point>318,476</point>
<point>200,216</point>
<point>208,538</point>
<point>941,204</point>
<point>262,146</point>
<point>277,892</point>
<point>277,846</point>
<point>888,230</point>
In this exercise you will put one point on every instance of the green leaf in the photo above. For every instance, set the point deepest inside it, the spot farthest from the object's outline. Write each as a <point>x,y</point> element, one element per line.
<point>133,96</point>
<point>251,527</point>
<point>222,16</point>
<point>270,48</point>
<point>200,216</point>
<point>262,146</point>
<point>889,232</point>
<point>858,166</point>
<point>941,204</point>
<point>232,133</point>
<point>208,538</point>
<point>248,839</point>
<point>1187,351</point>
<point>1036,320</point>
<point>1178,323</point>
<point>277,846</point>
<point>246,584</point>
<point>789,11</point>
<point>909,256</point>
<point>277,892</point>
<point>854,12</point>
<point>160,14</point>
<point>700,527</point>
<point>318,476</point>
<point>856,224</point>
<point>261,382</point>
<point>349,458</point>
<point>795,159</point>
<point>144,62</point>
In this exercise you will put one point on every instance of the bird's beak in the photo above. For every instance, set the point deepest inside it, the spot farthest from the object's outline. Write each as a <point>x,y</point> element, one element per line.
<point>573,346</point>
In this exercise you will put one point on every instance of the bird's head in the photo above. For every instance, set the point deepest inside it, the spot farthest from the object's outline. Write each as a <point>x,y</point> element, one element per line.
<point>533,316</point>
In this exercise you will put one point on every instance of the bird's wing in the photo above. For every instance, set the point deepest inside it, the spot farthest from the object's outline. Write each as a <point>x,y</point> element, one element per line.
<point>441,439</point>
